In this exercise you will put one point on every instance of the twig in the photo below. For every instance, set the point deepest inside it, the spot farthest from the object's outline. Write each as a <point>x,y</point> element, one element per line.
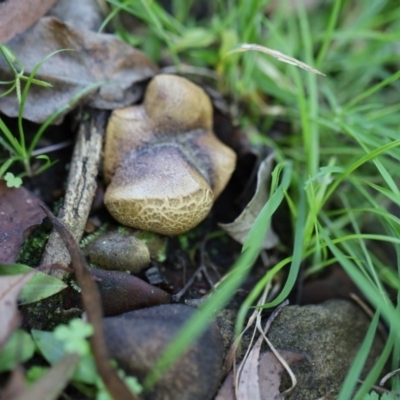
<point>81,188</point>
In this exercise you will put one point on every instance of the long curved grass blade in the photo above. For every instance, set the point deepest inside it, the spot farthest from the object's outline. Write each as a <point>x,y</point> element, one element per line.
<point>199,322</point>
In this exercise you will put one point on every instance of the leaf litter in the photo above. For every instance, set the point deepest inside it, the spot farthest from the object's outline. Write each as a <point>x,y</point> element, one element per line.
<point>51,384</point>
<point>240,227</point>
<point>19,214</point>
<point>99,69</point>
<point>18,15</point>
<point>10,289</point>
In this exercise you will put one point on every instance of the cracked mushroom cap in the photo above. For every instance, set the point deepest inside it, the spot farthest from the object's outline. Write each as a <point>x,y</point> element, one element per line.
<point>164,163</point>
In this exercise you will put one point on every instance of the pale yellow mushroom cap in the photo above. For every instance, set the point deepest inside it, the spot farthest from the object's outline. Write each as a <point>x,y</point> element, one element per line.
<point>165,165</point>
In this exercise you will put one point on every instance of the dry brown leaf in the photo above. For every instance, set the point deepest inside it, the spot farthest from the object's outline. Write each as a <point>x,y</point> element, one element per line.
<point>94,58</point>
<point>270,372</point>
<point>15,385</point>
<point>10,288</point>
<point>18,15</point>
<point>240,227</point>
<point>19,214</point>
<point>50,385</point>
<point>85,14</point>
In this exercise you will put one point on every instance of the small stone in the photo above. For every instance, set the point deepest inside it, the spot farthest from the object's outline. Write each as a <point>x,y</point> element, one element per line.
<point>137,339</point>
<point>120,252</point>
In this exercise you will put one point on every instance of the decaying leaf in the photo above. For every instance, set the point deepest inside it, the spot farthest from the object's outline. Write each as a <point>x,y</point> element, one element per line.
<point>53,382</point>
<point>92,58</point>
<point>18,15</point>
<point>10,288</point>
<point>270,371</point>
<point>240,227</point>
<point>79,13</point>
<point>19,214</point>
<point>15,385</point>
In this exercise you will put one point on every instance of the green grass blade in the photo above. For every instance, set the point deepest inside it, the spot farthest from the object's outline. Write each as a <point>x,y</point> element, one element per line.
<point>297,253</point>
<point>199,322</point>
<point>328,34</point>
<point>349,384</point>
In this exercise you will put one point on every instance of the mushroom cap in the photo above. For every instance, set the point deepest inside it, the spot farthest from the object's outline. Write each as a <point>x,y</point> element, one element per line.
<point>165,165</point>
<point>159,191</point>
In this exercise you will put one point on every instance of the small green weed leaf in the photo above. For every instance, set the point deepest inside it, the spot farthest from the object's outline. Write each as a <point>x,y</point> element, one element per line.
<point>132,383</point>
<point>4,167</point>
<point>18,348</point>
<point>372,396</point>
<point>38,288</point>
<point>383,396</point>
<point>74,335</point>
<point>34,373</point>
<point>12,181</point>
<point>53,350</point>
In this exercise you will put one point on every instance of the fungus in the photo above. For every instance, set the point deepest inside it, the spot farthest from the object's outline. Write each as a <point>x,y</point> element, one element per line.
<point>164,163</point>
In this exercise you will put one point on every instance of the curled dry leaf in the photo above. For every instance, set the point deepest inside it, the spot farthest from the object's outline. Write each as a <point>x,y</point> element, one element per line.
<point>18,15</point>
<point>91,59</point>
<point>240,227</point>
<point>85,14</point>
<point>50,385</point>
<point>10,288</point>
<point>270,372</point>
<point>19,214</point>
<point>15,385</point>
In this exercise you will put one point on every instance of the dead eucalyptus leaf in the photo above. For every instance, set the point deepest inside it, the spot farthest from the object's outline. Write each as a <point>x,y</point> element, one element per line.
<point>270,372</point>
<point>109,70</point>
<point>52,383</point>
<point>85,14</point>
<point>240,227</point>
<point>15,385</point>
<point>19,214</point>
<point>18,15</point>
<point>10,288</point>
